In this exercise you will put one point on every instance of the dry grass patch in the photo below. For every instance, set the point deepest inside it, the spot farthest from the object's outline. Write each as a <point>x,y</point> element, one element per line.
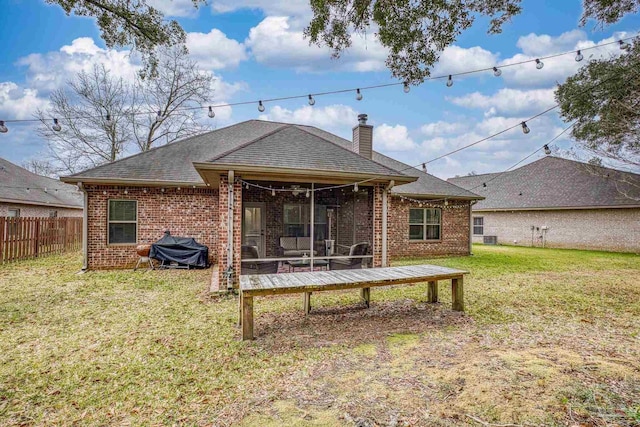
<point>550,337</point>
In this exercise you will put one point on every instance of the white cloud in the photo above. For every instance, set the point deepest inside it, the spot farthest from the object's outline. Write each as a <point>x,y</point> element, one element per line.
<point>544,44</point>
<point>176,8</point>
<point>456,59</point>
<point>392,138</point>
<point>442,128</point>
<point>275,43</point>
<point>49,71</point>
<point>19,103</point>
<point>332,117</point>
<point>508,102</point>
<point>214,51</point>
<point>269,7</point>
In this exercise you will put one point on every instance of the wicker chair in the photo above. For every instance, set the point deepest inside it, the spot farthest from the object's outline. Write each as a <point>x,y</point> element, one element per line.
<point>352,263</point>
<point>257,267</point>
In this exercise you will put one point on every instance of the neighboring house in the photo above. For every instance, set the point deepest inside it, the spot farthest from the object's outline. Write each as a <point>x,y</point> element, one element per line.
<point>25,194</point>
<point>559,203</point>
<point>269,171</point>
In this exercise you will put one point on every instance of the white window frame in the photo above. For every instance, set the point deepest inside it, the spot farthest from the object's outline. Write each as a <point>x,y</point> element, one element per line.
<point>481,218</point>
<point>424,225</point>
<point>109,222</point>
<point>16,215</point>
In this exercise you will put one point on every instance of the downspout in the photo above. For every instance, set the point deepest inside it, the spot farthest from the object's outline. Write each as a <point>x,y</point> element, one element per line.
<point>312,215</point>
<point>473,202</point>
<point>385,210</point>
<point>230,203</point>
<point>85,227</point>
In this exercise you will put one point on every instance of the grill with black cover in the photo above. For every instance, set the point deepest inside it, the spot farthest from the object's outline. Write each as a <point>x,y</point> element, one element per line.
<point>181,251</point>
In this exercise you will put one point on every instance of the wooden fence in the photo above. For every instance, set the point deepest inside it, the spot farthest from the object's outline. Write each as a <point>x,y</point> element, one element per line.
<point>22,238</point>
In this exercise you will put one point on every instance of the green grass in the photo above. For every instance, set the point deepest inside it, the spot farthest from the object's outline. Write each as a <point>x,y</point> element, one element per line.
<point>549,337</point>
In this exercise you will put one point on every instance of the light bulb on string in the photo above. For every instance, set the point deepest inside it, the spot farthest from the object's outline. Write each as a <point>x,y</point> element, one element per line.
<point>623,45</point>
<point>56,125</point>
<point>273,192</point>
<point>159,117</point>
<point>3,127</point>
<point>211,113</point>
<point>547,150</point>
<point>358,95</point>
<point>525,128</point>
<point>108,120</point>
<point>424,167</point>
<point>260,106</point>
<point>355,187</point>
<point>579,56</point>
<point>406,88</point>
<point>497,71</point>
<point>312,101</point>
<point>539,64</point>
<point>450,81</point>
<point>308,193</point>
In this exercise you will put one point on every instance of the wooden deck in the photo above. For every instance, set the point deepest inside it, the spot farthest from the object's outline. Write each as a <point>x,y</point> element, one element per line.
<point>363,279</point>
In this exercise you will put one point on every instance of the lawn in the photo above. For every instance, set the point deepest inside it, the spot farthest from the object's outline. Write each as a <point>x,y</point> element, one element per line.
<point>550,337</point>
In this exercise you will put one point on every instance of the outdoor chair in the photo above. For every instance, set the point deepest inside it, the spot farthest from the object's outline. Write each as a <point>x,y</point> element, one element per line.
<point>351,263</point>
<point>256,267</point>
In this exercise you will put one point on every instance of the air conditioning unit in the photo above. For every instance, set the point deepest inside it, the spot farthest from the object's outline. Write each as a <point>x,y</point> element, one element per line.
<point>490,240</point>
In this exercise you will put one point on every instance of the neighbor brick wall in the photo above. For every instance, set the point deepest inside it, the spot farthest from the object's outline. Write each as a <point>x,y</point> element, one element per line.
<point>38,211</point>
<point>604,229</point>
<point>186,212</point>
<point>454,230</point>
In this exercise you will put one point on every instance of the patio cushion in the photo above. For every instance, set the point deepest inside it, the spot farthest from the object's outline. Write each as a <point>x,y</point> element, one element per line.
<point>304,243</point>
<point>297,253</point>
<point>288,243</point>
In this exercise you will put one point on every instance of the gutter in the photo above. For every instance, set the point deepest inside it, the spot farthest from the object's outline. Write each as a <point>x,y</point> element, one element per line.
<point>557,208</point>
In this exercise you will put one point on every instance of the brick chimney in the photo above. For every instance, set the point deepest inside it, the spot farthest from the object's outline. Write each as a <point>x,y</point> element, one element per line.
<point>363,137</point>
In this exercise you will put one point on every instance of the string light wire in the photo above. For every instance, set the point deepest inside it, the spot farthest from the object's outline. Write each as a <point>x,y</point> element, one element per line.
<point>361,88</point>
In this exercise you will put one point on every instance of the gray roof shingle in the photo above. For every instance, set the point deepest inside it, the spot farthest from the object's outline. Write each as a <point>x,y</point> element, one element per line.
<point>264,143</point>
<point>20,185</point>
<point>553,182</point>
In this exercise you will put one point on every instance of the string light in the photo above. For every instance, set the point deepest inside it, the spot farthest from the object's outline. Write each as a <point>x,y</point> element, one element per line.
<point>273,192</point>
<point>525,128</point>
<point>56,125</point>
<point>579,56</point>
<point>547,150</point>
<point>355,187</point>
<point>308,193</point>
<point>497,71</point>
<point>406,87</point>
<point>450,81</point>
<point>108,120</point>
<point>159,117</point>
<point>621,42</point>
<point>312,101</point>
<point>424,167</point>
<point>260,107</point>
<point>211,113</point>
<point>358,95</point>
<point>539,64</point>
<point>3,127</point>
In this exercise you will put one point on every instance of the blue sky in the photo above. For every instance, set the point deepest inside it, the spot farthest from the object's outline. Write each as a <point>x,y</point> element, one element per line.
<point>255,50</point>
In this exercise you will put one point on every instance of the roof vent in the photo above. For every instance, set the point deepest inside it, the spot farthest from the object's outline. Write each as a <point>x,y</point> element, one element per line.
<point>362,119</point>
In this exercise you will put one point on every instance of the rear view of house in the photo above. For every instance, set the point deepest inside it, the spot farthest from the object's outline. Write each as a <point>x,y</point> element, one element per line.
<point>263,192</point>
<point>555,202</point>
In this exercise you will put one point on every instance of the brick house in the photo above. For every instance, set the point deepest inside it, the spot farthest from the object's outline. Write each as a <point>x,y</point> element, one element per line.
<point>26,194</point>
<point>257,181</point>
<point>560,203</point>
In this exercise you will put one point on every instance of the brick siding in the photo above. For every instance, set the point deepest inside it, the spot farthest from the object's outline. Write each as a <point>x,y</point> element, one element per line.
<point>454,230</point>
<point>223,229</point>
<point>186,212</point>
<point>603,229</point>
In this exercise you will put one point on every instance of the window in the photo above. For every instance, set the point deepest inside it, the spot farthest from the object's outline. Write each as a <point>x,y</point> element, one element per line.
<point>53,214</point>
<point>296,221</point>
<point>424,224</point>
<point>123,216</point>
<point>13,213</point>
<point>478,225</point>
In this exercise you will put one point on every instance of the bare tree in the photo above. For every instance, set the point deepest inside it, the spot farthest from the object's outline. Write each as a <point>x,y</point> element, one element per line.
<point>92,116</point>
<point>177,91</point>
<point>42,167</point>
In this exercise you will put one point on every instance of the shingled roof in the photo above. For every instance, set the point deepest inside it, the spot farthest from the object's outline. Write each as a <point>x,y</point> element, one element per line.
<point>263,143</point>
<point>554,183</point>
<point>18,185</point>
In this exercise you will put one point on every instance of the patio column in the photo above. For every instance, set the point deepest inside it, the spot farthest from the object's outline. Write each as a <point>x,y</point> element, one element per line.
<point>229,230</point>
<point>377,225</point>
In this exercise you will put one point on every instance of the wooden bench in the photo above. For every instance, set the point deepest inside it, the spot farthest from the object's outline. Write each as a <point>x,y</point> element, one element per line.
<point>363,279</point>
